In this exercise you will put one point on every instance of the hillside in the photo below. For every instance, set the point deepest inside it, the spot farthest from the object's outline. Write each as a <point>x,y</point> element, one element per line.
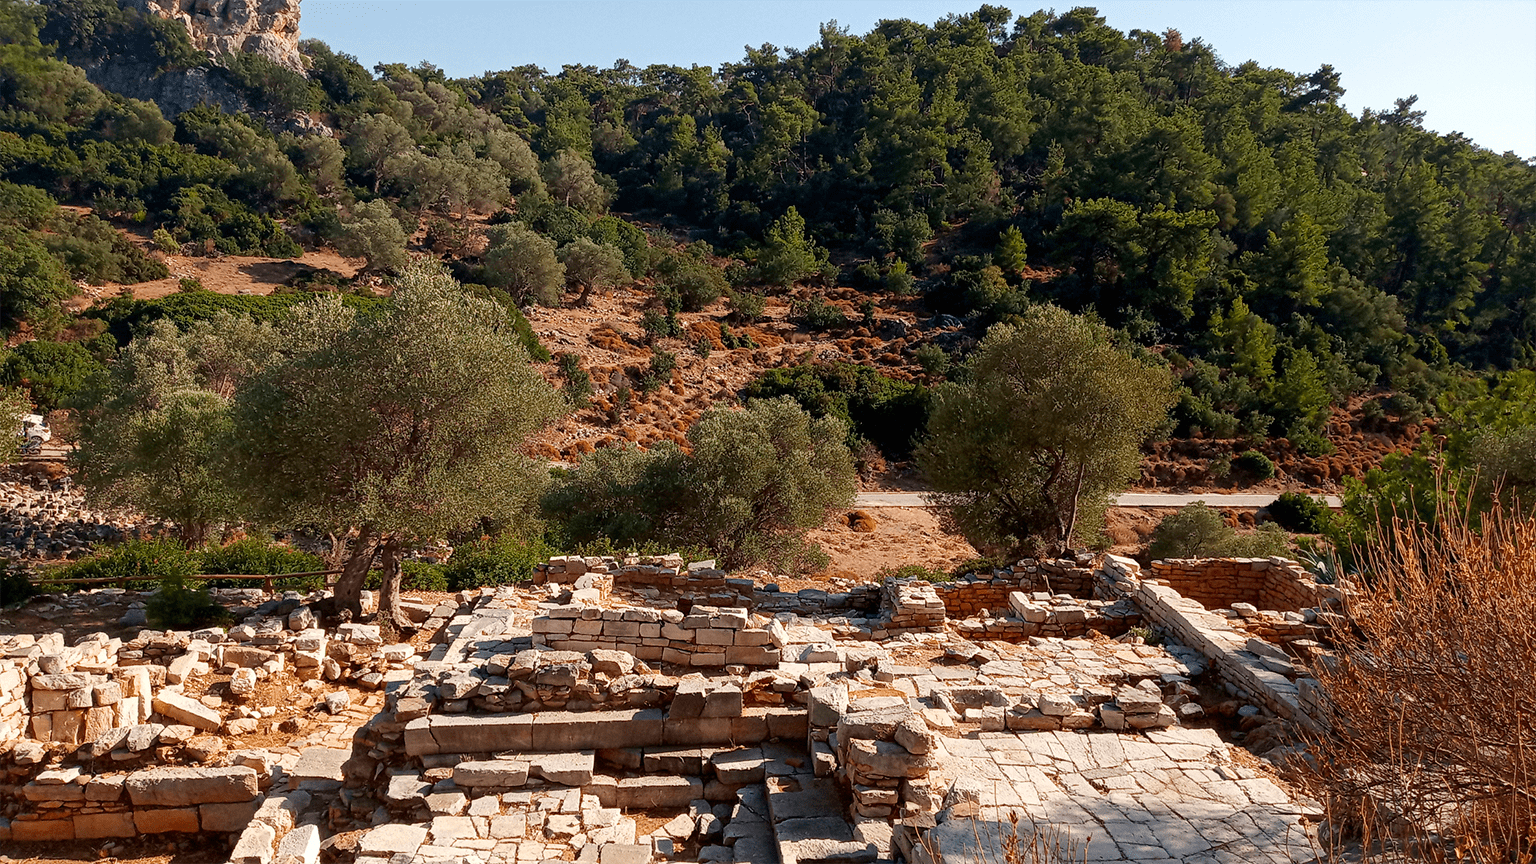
<point>840,223</point>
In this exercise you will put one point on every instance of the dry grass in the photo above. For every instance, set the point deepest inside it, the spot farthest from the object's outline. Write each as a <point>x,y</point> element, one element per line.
<point>1431,694</point>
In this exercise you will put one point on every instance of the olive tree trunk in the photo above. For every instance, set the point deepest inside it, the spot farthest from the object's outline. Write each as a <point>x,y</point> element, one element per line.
<point>348,593</point>
<point>391,617</point>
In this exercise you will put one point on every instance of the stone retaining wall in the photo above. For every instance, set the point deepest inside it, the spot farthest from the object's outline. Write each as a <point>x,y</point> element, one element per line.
<point>1258,669</point>
<point>1041,614</point>
<point>704,636</point>
<point>1265,583</point>
<point>68,804</point>
<point>974,592</point>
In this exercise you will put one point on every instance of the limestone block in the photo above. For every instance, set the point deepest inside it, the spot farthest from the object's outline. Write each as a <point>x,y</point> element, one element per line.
<point>162,821</point>
<point>188,711</point>
<point>90,826</point>
<point>255,846</point>
<point>175,787</point>
<point>227,818</point>
<point>497,772</point>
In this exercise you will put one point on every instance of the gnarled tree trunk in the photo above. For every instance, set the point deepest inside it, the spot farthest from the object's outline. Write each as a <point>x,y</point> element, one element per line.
<point>348,593</point>
<point>391,617</point>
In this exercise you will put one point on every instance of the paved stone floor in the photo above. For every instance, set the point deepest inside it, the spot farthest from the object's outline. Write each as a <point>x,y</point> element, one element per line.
<point>1164,796</point>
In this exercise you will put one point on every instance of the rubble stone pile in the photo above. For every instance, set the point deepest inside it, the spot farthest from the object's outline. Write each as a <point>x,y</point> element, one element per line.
<point>47,521</point>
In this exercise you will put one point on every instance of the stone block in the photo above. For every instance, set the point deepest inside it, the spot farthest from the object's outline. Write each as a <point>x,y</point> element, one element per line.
<point>90,826</point>
<point>642,793</point>
<point>177,787</point>
<point>187,711</point>
<point>43,830</point>
<point>228,818</point>
<point>163,821</point>
<point>463,734</point>
<point>299,846</point>
<point>569,769</point>
<point>387,841</point>
<point>497,772</point>
<point>255,846</point>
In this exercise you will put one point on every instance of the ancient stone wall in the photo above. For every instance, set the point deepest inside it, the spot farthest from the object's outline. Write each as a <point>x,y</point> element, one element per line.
<point>1258,669</point>
<point>974,592</point>
<point>1264,583</point>
<point>704,636</point>
<point>71,804</point>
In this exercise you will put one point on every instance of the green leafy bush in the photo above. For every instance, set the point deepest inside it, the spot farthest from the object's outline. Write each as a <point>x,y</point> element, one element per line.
<point>54,372</point>
<point>746,306</point>
<point>817,314</point>
<point>913,571</point>
<point>421,576</point>
<point>141,563</point>
<point>1300,513</point>
<point>500,560</point>
<point>883,410</point>
<point>1254,464</point>
<point>1197,531</point>
<point>15,587</point>
<point>252,555</point>
<point>179,605</point>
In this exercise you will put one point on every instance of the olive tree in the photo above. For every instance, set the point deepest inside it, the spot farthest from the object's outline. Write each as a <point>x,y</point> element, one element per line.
<point>372,232</point>
<point>155,429</point>
<point>1047,427</point>
<point>405,426</point>
<point>571,180</point>
<point>591,265</point>
<point>755,481</point>
<point>13,404</point>
<point>523,262</point>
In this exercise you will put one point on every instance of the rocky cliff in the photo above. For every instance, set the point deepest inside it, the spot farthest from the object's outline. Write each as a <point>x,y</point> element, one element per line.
<point>266,27</point>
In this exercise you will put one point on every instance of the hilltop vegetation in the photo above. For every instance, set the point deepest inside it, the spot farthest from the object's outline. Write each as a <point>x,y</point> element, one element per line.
<point>1286,260</point>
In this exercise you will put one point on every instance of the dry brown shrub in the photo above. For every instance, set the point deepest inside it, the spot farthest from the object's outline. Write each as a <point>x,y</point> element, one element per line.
<point>1430,706</point>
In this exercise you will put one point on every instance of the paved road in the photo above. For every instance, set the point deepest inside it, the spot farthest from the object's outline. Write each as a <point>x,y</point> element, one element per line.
<point>1129,499</point>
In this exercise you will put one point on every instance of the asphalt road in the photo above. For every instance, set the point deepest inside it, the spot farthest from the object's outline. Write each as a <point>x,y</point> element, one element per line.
<point>1129,499</point>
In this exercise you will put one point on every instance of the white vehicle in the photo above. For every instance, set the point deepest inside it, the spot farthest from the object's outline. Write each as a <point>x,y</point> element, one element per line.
<point>34,433</point>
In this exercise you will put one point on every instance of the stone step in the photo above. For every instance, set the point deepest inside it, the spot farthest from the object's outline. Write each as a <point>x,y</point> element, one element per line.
<point>563,731</point>
<point>806,813</point>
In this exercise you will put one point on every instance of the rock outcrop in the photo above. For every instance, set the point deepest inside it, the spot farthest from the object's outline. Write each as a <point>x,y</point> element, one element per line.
<point>266,27</point>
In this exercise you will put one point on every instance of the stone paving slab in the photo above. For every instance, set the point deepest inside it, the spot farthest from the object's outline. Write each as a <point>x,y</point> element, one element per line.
<point>1173,795</point>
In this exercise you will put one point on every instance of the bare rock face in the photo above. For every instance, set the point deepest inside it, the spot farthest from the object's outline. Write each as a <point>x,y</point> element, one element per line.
<point>266,27</point>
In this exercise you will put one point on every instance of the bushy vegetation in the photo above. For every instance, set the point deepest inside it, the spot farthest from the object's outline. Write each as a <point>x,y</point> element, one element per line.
<point>1198,531</point>
<point>1300,514</point>
<point>756,481</point>
<point>882,410</point>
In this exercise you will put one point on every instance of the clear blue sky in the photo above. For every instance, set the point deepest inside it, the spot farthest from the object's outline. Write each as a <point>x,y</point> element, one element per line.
<point>1472,63</point>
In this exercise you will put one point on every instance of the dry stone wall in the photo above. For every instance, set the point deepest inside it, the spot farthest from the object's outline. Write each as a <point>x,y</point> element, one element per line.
<point>1259,670</point>
<point>703,636</point>
<point>974,593</point>
<point>1264,583</point>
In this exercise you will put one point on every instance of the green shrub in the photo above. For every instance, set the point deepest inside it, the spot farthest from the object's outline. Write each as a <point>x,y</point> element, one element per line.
<point>933,359</point>
<point>1300,513</point>
<point>140,563</point>
<point>421,576</point>
<point>165,242</point>
<point>1197,531</point>
<point>746,306</point>
<point>179,605</point>
<point>54,372</point>
<point>500,560</point>
<point>888,412</point>
<point>578,382</point>
<point>1255,464</point>
<point>15,587</point>
<point>252,555</point>
<point>662,364</point>
<point>659,326</point>
<point>817,314</point>
<point>913,571</point>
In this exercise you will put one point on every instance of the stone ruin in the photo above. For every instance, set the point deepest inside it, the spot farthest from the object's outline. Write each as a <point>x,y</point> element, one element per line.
<point>649,709</point>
